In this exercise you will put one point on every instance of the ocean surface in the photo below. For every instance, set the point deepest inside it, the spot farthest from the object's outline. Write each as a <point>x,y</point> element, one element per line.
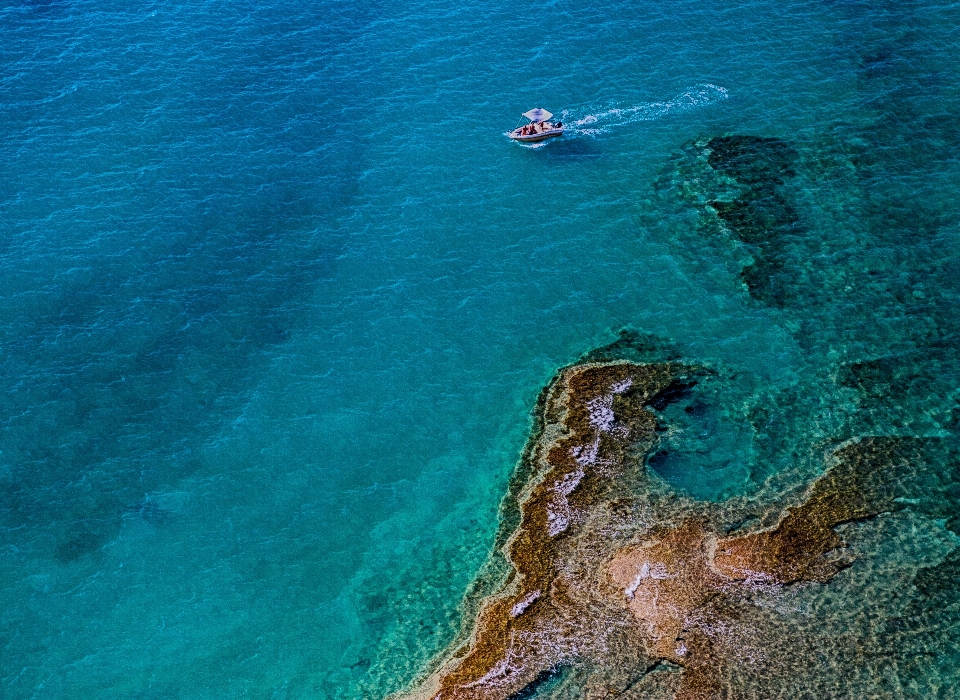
<point>277,298</point>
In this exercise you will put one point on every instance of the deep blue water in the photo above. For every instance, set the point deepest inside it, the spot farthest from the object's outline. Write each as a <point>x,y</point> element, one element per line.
<point>278,296</point>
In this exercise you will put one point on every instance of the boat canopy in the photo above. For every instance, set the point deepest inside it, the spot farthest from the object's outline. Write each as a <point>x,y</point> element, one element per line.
<point>538,115</point>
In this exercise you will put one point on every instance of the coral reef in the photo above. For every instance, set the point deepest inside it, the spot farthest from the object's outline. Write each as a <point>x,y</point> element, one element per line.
<point>617,581</point>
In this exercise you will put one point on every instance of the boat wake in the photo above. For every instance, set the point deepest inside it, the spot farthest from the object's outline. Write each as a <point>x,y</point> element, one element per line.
<point>593,123</point>
<point>535,144</point>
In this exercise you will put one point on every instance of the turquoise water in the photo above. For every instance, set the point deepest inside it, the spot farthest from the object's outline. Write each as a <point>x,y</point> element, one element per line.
<point>278,297</point>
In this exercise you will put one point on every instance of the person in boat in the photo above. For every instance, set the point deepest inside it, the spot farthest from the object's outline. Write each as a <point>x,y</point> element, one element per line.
<point>558,125</point>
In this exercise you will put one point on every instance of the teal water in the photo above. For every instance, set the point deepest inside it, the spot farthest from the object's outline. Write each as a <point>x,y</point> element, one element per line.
<point>278,297</point>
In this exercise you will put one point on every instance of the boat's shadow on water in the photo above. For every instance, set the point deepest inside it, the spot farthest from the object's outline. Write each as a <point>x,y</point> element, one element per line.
<point>563,149</point>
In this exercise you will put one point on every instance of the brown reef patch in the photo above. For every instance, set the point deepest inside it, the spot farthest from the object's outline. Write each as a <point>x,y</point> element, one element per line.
<point>853,489</point>
<point>662,580</point>
<point>614,575</point>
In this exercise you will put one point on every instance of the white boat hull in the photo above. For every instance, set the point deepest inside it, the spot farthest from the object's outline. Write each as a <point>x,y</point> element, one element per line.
<point>517,135</point>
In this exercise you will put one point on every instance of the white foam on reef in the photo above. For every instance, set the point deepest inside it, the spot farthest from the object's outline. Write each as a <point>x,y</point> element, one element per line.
<point>558,520</point>
<point>592,122</point>
<point>528,600</point>
<point>601,408</point>
<point>657,572</point>
<point>602,420</point>
<point>585,455</point>
<point>501,672</point>
<point>601,412</point>
<point>558,511</point>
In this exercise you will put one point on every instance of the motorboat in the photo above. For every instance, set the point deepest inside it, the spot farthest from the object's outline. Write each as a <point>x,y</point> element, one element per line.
<point>539,128</point>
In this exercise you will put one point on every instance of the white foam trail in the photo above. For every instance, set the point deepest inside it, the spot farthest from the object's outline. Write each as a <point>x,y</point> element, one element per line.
<point>592,123</point>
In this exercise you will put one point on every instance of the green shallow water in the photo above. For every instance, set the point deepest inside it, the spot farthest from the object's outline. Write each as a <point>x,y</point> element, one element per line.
<point>279,297</point>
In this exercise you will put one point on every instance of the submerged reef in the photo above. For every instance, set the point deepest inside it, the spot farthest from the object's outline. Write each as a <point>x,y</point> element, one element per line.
<point>620,587</point>
<point>759,214</point>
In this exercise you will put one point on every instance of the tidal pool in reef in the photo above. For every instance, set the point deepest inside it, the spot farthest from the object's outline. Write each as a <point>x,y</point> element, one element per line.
<point>279,299</point>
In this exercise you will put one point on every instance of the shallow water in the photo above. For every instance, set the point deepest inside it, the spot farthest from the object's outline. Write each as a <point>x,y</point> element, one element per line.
<point>279,296</point>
